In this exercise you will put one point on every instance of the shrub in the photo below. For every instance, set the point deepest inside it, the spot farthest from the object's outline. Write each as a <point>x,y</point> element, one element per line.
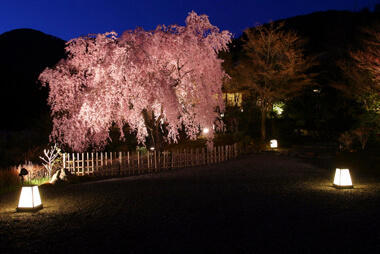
<point>35,171</point>
<point>9,179</point>
<point>346,140</point>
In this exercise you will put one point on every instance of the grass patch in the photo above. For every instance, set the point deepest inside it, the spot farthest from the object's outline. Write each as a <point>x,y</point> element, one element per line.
<point>37,181</point>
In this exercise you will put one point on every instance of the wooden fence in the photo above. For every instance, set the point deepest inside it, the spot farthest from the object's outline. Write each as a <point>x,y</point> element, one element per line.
<point>133,163</point>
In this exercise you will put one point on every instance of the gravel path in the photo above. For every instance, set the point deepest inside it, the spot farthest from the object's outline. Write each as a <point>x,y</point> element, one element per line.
<point>261,203</point>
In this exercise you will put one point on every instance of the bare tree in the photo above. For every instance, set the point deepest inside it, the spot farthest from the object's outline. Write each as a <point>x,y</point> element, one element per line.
<point>51,158</point>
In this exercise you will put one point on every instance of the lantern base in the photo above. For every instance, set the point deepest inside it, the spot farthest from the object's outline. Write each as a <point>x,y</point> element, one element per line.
<point>343,186</point>
<point>29,209</point>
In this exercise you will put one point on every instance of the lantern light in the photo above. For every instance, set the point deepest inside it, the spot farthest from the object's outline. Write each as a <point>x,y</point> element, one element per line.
<point>152,148</point>
<point>30,199</point>
<point>205,130</point>
<point>273,143</point>
<point>342,179</point>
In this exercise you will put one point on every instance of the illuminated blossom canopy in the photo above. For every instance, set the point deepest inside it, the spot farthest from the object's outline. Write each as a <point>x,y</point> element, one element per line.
<point>172,71</point>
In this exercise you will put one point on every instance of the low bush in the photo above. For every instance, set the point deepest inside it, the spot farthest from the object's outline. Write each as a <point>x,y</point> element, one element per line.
<point>9,180</point>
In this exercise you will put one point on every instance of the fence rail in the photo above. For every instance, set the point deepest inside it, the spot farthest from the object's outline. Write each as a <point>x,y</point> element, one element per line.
<point>133,163</point>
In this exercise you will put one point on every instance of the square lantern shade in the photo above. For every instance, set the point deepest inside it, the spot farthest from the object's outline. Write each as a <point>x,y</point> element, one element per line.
<point>30,199</point>
<point>273,143</point>
<point>342,179</point>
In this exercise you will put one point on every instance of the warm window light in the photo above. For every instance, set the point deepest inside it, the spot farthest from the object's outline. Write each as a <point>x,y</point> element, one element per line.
<point>273,143</point>
<point>30,199</point>
<point>342,178</point>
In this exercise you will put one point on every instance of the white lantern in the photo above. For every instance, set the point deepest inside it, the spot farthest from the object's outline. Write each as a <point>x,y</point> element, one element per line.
<point>30,199</point>
<point>273,143</point>
<point>205,130</point>
<point>342,179</point>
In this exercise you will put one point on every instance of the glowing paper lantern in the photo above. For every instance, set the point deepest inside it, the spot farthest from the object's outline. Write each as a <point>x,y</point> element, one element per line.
<point>205,131</point>
<point>273,143</point>
<point>342,179</point>
<point>30,199</point>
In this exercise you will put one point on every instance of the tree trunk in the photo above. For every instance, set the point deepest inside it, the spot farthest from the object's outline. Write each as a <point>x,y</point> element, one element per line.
<point>153,127</point>
<point>263,124</point>
<point>157,137</point>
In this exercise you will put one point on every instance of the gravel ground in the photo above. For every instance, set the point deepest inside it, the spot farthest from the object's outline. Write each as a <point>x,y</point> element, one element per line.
<point>263,203</point>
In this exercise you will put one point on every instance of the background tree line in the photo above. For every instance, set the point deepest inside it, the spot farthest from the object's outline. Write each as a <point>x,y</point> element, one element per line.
<point>321,68</point>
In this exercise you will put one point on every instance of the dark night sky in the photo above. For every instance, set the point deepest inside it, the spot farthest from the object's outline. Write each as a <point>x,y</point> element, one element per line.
<point>67,19</point>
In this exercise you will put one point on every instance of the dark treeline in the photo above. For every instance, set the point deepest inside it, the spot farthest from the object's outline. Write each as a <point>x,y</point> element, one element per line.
<point>324,110</point>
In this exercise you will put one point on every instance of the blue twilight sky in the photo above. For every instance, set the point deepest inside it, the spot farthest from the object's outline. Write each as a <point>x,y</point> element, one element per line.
<point>68,19</point>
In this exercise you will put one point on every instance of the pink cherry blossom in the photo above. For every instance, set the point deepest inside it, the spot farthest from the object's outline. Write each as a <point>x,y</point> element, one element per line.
<point>172,71</point>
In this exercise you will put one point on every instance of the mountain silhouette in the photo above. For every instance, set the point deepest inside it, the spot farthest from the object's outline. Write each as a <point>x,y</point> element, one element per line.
<point>331,35</point>
<point>24,54</point>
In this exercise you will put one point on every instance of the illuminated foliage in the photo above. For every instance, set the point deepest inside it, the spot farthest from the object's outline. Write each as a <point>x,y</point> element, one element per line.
<point>171,76</point>
<point>273,67</point>
<point>362,83</point>
<point>369,58</point>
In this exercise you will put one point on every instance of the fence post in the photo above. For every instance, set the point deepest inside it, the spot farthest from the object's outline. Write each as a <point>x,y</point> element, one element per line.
<point>106,162</point>
<point>76,164</point>
<point>172,159</point>
<point>155,161</point>
<point>82,164</point>
<point>205,159</point>
<point>111,169</point>
<point>163,163</point>
<point>138,161</point>
<point>197,156</point>
<point>96,161</point>
<point>147,161</point>
<point>120,163</point>
<point>129,165</point>
<point>218,154</point>
<point>64,160</point>
<point>102,163</point>
<point>92,162</point>
<point>77,170</point>
<point>68,162</point>
<point>184,157</point>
